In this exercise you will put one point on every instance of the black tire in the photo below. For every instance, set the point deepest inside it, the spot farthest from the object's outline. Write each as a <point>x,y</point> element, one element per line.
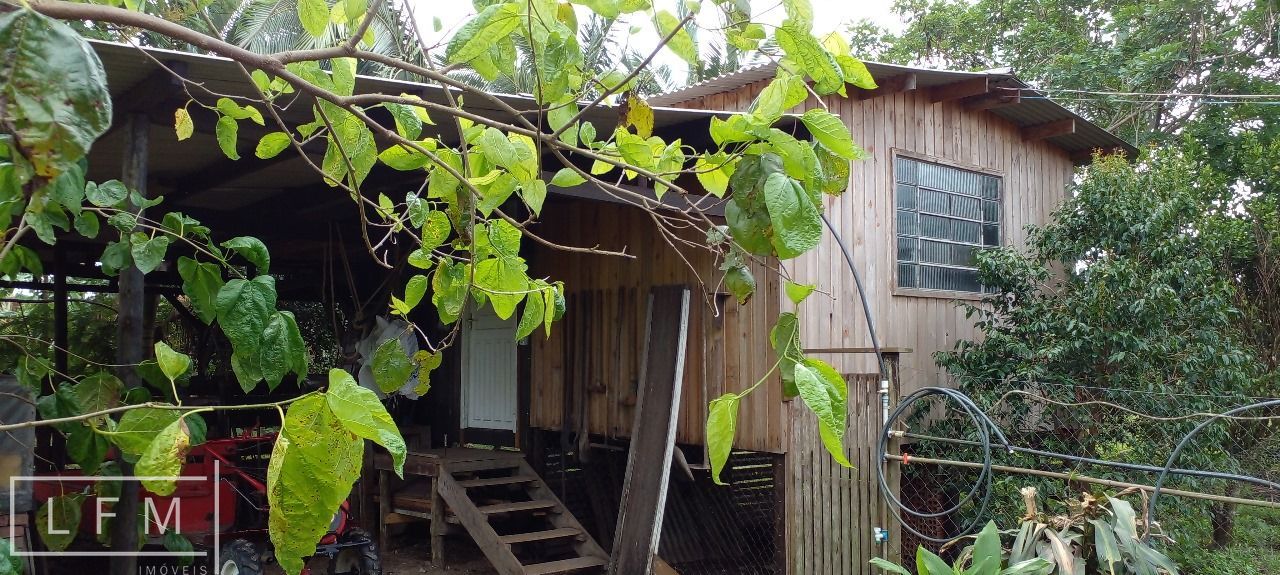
<point>362,560</point>
<point>241,554</point>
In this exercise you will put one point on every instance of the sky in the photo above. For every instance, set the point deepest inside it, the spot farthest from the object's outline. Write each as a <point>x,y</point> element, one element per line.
<point>829,15</point>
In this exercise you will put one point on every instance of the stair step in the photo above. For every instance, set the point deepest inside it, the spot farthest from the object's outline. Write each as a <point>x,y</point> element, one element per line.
<point>510,480</point>
<point>539,535</point>
<point>563,566</point>
<point>517,506</point>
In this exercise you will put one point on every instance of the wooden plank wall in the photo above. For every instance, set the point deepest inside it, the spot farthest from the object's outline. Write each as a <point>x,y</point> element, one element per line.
<point>832,510</point>
<point>1035,178</point>
<point>604,328</point>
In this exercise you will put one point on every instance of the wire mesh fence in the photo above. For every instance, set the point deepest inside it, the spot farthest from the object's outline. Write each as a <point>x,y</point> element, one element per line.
<point>706,529</point>
<point>1219,514</point>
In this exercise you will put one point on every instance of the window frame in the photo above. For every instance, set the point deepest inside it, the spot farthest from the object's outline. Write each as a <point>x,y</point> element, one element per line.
<point>892,180</point>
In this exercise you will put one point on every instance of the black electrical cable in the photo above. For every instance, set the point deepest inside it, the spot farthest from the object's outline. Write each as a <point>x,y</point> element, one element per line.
<point>986,426</point>
<point>862,294</point>
<point>1177,450</point>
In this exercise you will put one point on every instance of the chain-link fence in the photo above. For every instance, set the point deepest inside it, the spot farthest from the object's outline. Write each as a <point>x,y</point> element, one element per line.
<point>1218,515</point>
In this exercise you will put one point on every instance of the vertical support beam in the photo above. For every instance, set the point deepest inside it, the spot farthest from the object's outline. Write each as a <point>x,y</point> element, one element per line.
<point>892,550</point>
<point>644,490</point>
<point>130,342</point>
<point>60,309</point>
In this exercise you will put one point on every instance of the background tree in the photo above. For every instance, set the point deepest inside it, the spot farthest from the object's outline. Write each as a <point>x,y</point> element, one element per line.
<point>1142,49</point>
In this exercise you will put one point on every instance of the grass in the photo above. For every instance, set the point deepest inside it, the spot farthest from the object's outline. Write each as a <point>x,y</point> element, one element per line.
<point>1256,549</point>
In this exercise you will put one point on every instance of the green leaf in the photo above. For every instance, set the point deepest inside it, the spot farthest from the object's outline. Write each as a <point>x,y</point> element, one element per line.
<point>798,292</point>
<point>889,567</point>
<point>722,424</point>
<point>987,550</point>
<point>534,194</point>
<point>252,249</point>
<point>559,116</point>
<point>799,12</point>
<point>435,231</point>
<point>55,90</point>
<point>175,542</point>
<point>391,366</point>
<point>398,157</point>
<point>567,177</point>
<point>87,448</point>
<point>106,194</point>
<point>137,427</point>
<point>1104,545</point>
<point>244,307</point>
<point>831,132</point>
<point>449,290</point>
<point>272,144</point>
<point>182,124</point>
<point>713,173</point>
<point>58,521</point>
<point>814,393</point>
<point>148,252</point>
<point>494,23</point>
<point>172,363</point>
<point>929,564</point>
<point>315,461</point>
<point>282,349</point>
<point>797,226</point>
<point>227,131</point>
<point>163,459</point>
<point>314,15</point>
<point>740,282</point>
<point>503,282</point>
<point>682,43</point>
<point>801,46</point>
<point>1037,566</point>
<point>344,75</point>
<point>785,339</point>
<point>442,184</point>
<point>533,315</point>
<point>87,224</point>
<point>360,412</point>
<point>414,290</point>
<point>200,283</point>
<point>408,124</point>
<point>783,93</point>
<point>97,392</point>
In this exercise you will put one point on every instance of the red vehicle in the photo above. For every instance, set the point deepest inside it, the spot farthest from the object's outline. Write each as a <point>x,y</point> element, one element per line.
<point>238,502</point>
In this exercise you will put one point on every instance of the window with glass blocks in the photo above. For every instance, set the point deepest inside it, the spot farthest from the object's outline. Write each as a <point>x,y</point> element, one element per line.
<point>945,215</point>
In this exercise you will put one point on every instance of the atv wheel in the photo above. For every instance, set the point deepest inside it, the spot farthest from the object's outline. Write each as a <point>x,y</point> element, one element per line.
<point>361,560</point>
<point>239,557</point>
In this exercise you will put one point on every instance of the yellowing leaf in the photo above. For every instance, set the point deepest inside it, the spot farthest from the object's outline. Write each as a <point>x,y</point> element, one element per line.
<point>182,124</point>
<point>360,412</point>
<point>639,115</point>
<point>162,462</point>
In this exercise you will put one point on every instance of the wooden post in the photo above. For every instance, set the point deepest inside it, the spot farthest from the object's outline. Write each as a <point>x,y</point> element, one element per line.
<point>437,520</point>
<point>644,490</point>
<point>130,344</point>
<point>893,469</point>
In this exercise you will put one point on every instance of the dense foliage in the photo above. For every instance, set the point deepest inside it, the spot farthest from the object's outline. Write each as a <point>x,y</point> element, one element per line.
<point>468,245</point>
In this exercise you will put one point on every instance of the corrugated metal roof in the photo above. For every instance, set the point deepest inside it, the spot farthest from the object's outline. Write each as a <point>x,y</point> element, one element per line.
<point>1034,108</point>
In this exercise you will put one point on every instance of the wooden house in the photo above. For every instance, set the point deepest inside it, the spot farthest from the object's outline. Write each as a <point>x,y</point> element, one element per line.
<point>956,161</point>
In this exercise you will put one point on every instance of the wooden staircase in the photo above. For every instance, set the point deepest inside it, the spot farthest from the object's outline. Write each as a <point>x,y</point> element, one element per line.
<point>519,524</point>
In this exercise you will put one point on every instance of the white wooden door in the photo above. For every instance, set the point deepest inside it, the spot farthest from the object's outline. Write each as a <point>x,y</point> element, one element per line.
<point>489,388</point>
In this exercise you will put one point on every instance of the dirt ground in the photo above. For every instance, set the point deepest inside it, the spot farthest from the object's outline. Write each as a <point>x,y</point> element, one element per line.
<point>411,555</point>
